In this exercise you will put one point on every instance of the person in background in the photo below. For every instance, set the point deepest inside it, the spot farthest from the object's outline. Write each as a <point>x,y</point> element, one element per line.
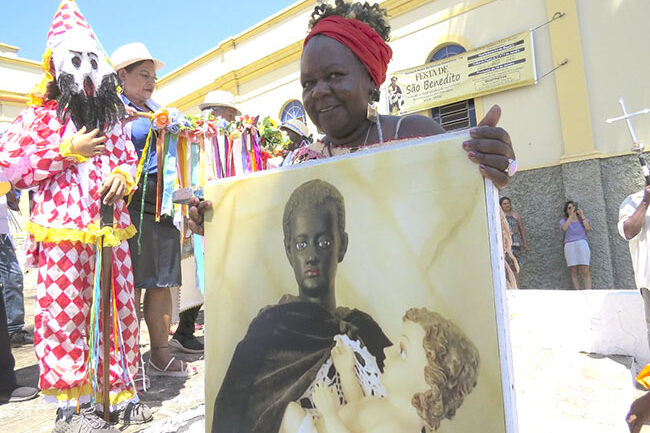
<point>155,250</point>
<point>10,391</point>
<point>575,226</point>
<point>634,227</point>
<point>517,233</point>
<point>298,137</point>
<point>11,276</point>
<point>219,103</point>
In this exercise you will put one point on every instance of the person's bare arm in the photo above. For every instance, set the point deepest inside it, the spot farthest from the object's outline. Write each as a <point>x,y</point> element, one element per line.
<point>639,413</point>
<point>634,223</point>
<point>568,222</point>
<point>489,146</point>
<point>416,125</point>
<point>522,232</point>
<point>585,221</point>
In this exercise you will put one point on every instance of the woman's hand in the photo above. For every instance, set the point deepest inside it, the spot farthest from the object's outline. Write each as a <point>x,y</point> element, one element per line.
<point>490,147</point>
<point>87,144</point>
<point>196,212</point>
<point>113,189</point>
<point>130,114</point>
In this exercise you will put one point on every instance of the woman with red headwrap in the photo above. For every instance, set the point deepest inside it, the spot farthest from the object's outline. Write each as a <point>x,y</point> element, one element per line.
<point>344,62</point>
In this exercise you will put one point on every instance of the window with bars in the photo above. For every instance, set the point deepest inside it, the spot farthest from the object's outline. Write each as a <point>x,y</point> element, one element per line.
<point>457,115</point>
<point>293,110</point>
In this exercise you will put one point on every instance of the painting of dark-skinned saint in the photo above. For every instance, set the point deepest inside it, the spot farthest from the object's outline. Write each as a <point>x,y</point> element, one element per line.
<point>360,293</point>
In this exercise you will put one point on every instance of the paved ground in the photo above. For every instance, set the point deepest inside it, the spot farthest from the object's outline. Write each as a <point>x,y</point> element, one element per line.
<point>168,397</point>
<point>557,390</point>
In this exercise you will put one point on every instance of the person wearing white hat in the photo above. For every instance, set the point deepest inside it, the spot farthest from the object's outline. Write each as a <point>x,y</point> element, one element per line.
<point>155,250</point>
<point>298,137</point>
<point>220,103</point>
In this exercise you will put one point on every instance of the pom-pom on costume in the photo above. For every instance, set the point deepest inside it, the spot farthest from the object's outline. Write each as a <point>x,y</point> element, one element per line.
<point>36,152</point>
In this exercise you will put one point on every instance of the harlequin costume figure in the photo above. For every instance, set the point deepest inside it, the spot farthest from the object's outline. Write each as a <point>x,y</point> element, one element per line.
<point>70,148</point>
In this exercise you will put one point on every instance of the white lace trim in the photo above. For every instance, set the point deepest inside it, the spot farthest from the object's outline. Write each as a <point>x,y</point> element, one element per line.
<point>365,368</point>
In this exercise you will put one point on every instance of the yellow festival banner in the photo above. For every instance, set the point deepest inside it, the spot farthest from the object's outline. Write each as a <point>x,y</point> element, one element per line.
<point>501,65</point>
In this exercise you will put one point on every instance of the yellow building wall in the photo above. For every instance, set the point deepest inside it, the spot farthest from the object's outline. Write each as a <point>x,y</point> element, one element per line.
<point>559,119</point>
<point>529,113</point>
<point>614,35</point>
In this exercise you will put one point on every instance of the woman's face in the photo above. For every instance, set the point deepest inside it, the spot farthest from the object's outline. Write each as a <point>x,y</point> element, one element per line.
<point>140,82</point>
<point>570,209</point>
<point>405,362</point>
<point>505,205</point>
<point>335,87</point>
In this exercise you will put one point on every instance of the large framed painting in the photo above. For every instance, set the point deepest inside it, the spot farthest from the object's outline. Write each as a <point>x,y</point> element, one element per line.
<point>363,293</point>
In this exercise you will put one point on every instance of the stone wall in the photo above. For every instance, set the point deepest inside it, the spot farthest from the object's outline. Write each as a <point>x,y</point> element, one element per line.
<point>598,186</point>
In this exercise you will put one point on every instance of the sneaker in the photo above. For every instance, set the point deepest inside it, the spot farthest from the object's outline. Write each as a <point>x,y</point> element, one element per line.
<point>132,413</point>
<point>19,393</point>
<point>21,338</point>
<point>86,421</point>
<point>186,344</point>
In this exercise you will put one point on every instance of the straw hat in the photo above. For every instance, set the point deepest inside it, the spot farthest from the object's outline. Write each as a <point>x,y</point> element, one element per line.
<point>219,98</point>
<point>296,126</point>
<point>132,53</point>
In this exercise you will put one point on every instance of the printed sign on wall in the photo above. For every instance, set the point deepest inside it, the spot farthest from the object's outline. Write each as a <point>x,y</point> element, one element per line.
<point>499,66</point>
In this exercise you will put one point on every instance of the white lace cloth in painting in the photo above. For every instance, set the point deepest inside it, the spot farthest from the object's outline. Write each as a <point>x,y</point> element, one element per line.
<point>365,368</point>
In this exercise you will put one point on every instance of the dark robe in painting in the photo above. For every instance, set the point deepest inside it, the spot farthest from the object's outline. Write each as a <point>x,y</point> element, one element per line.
<point>278,359</point>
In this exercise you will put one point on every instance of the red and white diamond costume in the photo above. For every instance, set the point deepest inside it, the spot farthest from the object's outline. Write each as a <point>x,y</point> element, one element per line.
<point>64,223</point>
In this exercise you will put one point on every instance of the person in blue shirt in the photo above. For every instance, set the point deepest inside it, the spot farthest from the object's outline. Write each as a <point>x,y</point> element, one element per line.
<point>155,250</point>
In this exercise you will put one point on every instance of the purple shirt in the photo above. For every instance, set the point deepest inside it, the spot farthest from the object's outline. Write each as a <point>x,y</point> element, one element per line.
<point>575,232</point>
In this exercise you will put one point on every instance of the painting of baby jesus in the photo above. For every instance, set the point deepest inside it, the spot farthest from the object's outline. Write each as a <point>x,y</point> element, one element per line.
<point>447,362</point>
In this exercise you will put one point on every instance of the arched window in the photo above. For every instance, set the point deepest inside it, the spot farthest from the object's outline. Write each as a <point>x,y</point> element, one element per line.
<point>293,110</point>
<point>457,115</point>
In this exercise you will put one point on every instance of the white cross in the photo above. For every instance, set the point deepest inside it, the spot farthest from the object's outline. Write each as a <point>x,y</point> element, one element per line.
<point>638,146</point>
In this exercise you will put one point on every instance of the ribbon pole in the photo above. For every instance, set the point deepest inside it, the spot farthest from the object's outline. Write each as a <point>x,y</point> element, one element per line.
<point>106,283</point>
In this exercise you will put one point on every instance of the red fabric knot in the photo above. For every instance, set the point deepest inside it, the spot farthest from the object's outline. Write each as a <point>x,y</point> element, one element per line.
<point>361,39</point>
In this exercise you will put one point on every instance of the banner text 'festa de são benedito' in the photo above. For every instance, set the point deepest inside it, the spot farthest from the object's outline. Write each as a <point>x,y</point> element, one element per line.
<point>501,65</point>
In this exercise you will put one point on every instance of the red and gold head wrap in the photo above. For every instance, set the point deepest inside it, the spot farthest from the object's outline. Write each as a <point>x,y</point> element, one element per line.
<point>361,39</point>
